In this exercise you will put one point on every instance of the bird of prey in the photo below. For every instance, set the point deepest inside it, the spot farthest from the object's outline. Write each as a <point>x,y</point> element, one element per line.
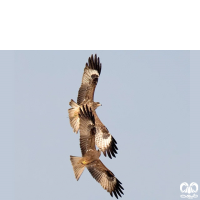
<point>90,156</point>
<point>103,139</point>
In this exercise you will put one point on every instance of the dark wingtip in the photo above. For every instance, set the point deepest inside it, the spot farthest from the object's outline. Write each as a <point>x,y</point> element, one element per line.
<point>115,194</point>
<point>119,181</point>
<point>112,150</point>
<point>119,188</point>
<point>108,152</point>
<point>114,140</point>
<point>94,63</point>
<point>118,192</point>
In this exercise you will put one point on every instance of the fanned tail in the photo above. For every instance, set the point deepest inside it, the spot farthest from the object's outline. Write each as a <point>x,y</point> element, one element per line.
<point>77,166</point>
<point>73,115</point>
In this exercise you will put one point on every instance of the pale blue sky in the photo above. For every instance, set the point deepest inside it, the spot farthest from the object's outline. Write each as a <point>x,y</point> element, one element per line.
<point>146,107</point>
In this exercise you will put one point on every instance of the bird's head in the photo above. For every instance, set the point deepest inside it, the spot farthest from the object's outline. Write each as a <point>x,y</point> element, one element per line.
<point>96,105</point>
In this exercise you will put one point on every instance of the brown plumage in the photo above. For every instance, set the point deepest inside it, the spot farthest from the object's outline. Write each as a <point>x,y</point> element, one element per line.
<point>90,77</point>
<point>103,139</point>
<point>90,156</point>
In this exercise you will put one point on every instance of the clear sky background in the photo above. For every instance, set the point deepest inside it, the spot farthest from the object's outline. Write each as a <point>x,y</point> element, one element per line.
<point>145,98</point>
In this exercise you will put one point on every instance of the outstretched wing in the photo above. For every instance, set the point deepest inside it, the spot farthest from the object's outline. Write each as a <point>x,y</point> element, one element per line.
<point>103,139</point>
<point>87,129</point>
<point>106,178</point>
<point>90,77</point>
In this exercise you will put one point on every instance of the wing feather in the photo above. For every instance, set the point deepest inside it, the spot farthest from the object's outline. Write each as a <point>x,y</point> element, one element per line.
<point>106,178</point>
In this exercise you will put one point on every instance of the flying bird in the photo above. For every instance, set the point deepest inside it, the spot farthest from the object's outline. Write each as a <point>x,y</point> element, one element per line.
<point>90,156</point>
<point>103,139</point>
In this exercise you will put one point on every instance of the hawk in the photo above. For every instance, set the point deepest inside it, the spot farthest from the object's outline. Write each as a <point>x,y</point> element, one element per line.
<point>103,139</point>
<point>90,156</point>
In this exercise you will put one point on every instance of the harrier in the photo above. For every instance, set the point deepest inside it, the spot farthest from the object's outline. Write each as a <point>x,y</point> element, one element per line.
<point>103,139</point>
<point>90,156</point>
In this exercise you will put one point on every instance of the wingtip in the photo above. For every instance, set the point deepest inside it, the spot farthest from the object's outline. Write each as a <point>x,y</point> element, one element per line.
<point>115,194</point>
<point>94,63</point>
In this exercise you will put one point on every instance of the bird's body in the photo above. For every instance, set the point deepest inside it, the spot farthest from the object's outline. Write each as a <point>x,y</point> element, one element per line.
<point>90,156</point>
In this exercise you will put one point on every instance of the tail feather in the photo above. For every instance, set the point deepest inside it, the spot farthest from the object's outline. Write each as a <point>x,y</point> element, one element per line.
<point>73,115</point>
<point>77,167</point>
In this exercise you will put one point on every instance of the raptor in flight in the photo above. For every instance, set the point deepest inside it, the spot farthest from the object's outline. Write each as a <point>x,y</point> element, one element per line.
<point>90,156</point>
<point>103,139</point>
